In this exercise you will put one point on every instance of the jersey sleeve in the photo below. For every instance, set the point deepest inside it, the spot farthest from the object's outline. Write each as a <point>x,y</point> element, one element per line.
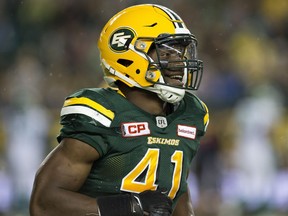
<point>85,116</point>
<point>206,116</point>
<point>199,107</point>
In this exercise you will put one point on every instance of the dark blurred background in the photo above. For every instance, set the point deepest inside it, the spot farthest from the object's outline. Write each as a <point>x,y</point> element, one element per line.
<point>48,50</point>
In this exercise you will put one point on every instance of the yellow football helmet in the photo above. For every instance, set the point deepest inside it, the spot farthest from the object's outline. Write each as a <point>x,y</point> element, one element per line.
<point>127,38</point>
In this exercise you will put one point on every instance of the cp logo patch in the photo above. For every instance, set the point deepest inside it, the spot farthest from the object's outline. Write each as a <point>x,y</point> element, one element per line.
<point>119,38</point>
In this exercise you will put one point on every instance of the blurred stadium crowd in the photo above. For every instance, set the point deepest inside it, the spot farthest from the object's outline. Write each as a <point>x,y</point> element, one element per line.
<point>48,50</point>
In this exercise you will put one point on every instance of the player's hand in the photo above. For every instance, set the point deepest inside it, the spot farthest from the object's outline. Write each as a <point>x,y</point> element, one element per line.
<point>155,203</point>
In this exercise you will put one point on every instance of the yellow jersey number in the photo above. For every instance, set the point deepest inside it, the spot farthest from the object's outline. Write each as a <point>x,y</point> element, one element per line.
<point>150,163</point>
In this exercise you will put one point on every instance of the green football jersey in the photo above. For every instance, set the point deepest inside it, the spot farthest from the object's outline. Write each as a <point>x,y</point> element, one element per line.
<point>138,151</point>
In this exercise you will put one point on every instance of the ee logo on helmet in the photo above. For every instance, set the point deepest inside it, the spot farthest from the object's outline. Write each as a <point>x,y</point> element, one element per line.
<point>119,38</point>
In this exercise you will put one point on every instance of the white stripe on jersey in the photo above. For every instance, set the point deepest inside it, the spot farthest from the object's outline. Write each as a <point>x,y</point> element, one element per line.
<point>88,112</point>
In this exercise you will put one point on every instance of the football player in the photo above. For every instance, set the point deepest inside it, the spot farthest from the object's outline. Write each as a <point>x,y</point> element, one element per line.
<point>127,149</point>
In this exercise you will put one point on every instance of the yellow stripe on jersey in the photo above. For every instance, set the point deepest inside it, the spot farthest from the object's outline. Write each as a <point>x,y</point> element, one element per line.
<point>90,103</point>
<point>206,117</point>
<point>76,109</point>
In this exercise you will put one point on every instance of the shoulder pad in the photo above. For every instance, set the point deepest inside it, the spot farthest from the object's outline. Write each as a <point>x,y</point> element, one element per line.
<point>202,106</point>
<point>91,103</point>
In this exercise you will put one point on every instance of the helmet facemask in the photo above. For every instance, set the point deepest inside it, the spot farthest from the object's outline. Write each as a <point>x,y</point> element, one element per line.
<point>176,59</point>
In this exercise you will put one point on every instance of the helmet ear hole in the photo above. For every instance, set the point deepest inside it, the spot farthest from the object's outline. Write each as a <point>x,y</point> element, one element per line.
<point>125,62</point>
<point>137,71</point>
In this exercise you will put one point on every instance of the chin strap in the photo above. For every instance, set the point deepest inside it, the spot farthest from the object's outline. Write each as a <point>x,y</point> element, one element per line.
<point>167,93</point>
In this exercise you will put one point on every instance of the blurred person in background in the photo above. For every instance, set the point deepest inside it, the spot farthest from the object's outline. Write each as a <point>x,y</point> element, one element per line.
<point>250,180</point>
<point>26,123</point>
<point>254,154</point>
<point>127,149</point>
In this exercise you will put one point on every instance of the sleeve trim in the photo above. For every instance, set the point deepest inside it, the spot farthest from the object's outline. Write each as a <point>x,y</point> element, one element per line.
<point>90,103</point>
<point>88,112</point>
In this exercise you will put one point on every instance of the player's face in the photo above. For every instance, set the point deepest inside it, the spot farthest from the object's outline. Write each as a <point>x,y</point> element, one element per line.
<point>170,60</point>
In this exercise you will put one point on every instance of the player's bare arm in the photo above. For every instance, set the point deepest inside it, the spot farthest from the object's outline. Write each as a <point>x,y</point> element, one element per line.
<point>63,173</point>
<point>60,176</point>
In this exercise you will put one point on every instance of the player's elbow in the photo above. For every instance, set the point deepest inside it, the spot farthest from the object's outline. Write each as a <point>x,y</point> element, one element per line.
<point>38,207</point>
<point>40,202</point>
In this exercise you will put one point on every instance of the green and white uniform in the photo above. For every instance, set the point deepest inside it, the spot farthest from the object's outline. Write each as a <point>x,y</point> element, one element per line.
<point>138,151</point>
